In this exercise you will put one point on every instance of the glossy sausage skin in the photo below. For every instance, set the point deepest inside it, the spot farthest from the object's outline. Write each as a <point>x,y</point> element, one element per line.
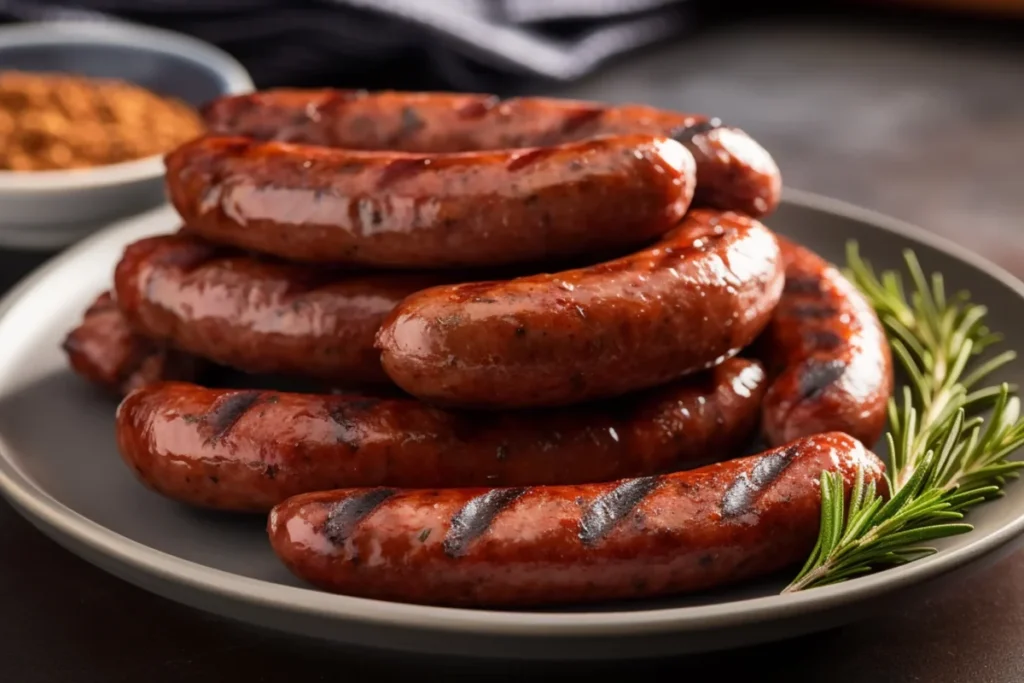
<point>733,171</point>
<point>249,450</point>
<point>391,209</point>
<point>105,351</point>
<point>255,315</point>
<point>826,353</point>
<point>526,546</point>
<point>698,296</point>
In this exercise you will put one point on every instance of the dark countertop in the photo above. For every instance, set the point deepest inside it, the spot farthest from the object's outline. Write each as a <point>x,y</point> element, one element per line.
<point>926,124</point>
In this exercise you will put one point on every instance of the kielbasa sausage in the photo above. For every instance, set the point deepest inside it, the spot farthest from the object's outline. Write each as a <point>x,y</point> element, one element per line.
<point>525,546</point>
<point>826,353</point>
<point>693,299</point>
<point>734,172</point>
<point>400,210</point>
<point>256,315</point>
<point>249,450</point>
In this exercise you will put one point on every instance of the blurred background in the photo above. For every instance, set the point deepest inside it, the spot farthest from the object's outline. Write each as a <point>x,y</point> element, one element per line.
<point>914,108</point>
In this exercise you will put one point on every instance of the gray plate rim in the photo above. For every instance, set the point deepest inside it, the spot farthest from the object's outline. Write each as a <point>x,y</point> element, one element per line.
<point>63,524</point>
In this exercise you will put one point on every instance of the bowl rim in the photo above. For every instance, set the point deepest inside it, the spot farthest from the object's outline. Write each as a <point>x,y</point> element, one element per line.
<point>235,80</point>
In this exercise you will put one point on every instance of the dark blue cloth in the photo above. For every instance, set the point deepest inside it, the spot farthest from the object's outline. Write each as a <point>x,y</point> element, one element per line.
<point>452,44</point>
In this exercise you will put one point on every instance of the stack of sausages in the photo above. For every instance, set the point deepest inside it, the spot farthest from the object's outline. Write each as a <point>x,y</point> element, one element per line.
<point>545,332</point>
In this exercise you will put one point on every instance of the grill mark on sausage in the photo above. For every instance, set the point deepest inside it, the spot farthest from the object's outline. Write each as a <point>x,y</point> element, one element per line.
<point>411,121</point>
<point>334,104</point>
<point>741,495</point>
<point>821,340</point>
<point>477,109</point>
<point>342,412</point>
<point>476,517</point>
<point>302,117</point>
<point>686,134</point>
<point>401,168</point>
<point>816,309</point>
<point>580,118</point>
<point>608,509</point>
<point>815,374</point>
<point>347,514</point>
<point>346,427</point>
<point>804,283</point>
<point>228,411</point>
<point>527,158</point>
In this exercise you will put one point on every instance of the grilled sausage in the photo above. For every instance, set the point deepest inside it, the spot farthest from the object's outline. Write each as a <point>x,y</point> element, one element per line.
<point>826,353</point>
<point>255,315</point>
<point>526,546</point>
<point>698,296</point>
<point>105,351</point>
<point>249,450</point>
<point>392,209</point>
<point>733,171</point>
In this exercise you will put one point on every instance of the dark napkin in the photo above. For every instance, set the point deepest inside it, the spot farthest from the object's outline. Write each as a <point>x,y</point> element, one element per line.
<point>450,44</point>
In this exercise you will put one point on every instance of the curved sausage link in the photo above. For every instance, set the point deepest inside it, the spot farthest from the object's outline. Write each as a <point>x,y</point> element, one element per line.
<point>392,209</point>
<point>105,351</point>
<point>249,450</point>
<point>827,355</point>
<point>734,172</point>
<point>525,546</point>
<point>696,297</point>
<point>255,315</point>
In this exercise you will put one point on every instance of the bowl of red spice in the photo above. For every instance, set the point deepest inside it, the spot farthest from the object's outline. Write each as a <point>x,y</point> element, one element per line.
<point>87,112</point>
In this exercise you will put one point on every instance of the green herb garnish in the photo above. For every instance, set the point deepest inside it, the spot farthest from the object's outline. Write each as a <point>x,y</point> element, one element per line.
<point>945,457</point>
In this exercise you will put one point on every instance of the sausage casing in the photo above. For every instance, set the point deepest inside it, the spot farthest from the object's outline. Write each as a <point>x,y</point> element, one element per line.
<point>734,172</point>
<point>255,315</point>
<point>696,297</point>
<point>249,450</point>
<point>525,546</point>
<point>827,355</point>
<point>105,351</point>
<point>394,209</point>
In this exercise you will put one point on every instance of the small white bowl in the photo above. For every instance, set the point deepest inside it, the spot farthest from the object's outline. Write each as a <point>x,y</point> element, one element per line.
<point>51,209</point>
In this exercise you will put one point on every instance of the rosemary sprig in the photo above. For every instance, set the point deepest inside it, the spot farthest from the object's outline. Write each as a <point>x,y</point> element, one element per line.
<point>945,457</point>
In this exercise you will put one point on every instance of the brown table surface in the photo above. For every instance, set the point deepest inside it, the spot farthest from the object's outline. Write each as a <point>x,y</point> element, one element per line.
<point>924,123</point>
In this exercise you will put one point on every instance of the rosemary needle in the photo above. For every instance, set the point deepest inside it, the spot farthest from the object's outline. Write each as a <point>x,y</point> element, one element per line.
<point>945,457</point>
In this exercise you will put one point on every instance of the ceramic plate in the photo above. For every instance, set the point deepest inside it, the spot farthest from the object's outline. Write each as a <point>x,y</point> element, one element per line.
<point>59,467</point>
